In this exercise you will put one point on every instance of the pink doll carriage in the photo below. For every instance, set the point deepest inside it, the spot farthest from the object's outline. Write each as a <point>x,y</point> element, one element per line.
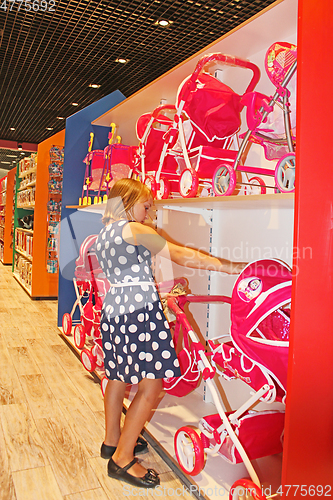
<point>90,286</point>
<point>198,138</point>
<point>256,352</point>
<point>104,167</point>
<point>280,65</point>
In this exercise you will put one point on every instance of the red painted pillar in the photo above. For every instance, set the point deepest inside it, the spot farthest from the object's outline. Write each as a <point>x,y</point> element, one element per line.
<point>308,450</point>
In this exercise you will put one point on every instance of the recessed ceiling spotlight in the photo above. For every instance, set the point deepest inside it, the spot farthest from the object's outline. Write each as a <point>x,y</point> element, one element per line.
<point>22,153</point>
<point>60,117</point>
<point>75,103</point>
<point>122,60</point>
<point>94,85</point>
<point>163,22</point>
<point>12,128</point>
<point>19,147</point>
<point>49,128</point>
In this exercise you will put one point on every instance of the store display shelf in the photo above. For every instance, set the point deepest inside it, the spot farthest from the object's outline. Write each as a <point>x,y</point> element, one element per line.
<point>262,201</point>
<point>31,184</point>
<point>28,231</point>
<point>27,172</point>
<point>23,285</point>
<point>26,207</point>
<point>25,255</point>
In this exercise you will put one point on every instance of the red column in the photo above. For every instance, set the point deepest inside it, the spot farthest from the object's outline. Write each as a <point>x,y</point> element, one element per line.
<point>308,449</point>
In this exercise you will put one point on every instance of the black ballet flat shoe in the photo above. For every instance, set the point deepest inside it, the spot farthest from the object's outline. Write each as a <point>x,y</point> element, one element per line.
<point>140,447</point>
<point>149,480</point>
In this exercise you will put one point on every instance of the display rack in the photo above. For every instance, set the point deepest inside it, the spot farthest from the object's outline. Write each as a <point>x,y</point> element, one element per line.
<point>31,255</point>
<point>7,205</point>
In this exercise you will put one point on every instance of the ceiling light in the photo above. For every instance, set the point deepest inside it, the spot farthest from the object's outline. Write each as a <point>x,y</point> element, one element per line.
<point>12,128</point>
<point>8,162</point>
<point>75,103</point>
<point>19,147</point>
<point>121,60</point>
<point>60,117</point>
<point>94,85</point>
<point>22,153</point>
<point>163,22</point>
<point>11,156</point>
<point>49,128</point>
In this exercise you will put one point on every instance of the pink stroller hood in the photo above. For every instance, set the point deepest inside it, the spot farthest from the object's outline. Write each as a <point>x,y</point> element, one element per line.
<point>213,108</point>
<point>260,316</point>
<point>87,262</point>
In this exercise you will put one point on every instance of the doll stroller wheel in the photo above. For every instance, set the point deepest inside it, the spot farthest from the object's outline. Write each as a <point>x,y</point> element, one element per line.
<point>88,360</point>
<point>79,336</point>
<point>97,352</point>
<point>258,186</point>
<point>151,184</point>
<point>104,383</point>
<point>244,489</point>
<point>163,189</point>
<point>188,183</point>
<point>67,324</point>
<point>224,180</point>
<point>285,173</point>
<point>189,451</point>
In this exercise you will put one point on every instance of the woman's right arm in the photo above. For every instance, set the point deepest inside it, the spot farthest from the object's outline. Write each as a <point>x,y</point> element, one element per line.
<point>139,234</point>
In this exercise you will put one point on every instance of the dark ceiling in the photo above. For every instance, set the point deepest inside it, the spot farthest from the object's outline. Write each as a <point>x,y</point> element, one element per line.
<point>48,59</point>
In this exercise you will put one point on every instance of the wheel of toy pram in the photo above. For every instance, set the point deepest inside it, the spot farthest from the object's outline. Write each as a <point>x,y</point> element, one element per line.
<point>67,324</point>
<point>285,173</point>
<point>163,189</point>
<point>88,360</point>
<point>224,180</point>
<point>258,183</point>
<point>79,336</point>
<point>151,184</point>
<point>104,383</point>
<point>189,451</point>
<point>97,352</point>
<point>188,183</point>
<point>244,489</point>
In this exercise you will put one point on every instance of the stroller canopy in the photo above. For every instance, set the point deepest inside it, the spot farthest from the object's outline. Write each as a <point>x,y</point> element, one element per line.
<point>212,107</point>
<point>260,315</point>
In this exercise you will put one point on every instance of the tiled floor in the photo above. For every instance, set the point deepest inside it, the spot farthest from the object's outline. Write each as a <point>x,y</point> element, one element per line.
<point>51,412</point>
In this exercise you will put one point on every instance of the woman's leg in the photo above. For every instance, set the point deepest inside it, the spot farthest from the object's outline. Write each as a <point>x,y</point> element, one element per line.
<point>113,407</point>
<point>137,415</point>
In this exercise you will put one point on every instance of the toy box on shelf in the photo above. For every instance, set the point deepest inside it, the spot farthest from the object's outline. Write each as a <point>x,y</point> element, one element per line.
<point>3,186</point>
<point>54,207</point>
<point>38,184</point>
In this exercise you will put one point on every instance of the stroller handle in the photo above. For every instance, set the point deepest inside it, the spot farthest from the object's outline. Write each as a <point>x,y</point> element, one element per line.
<point>229,61</point>
<point>163,107</point>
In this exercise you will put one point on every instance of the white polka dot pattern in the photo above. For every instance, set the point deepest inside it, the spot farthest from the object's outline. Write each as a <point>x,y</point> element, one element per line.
<point>136,337</point>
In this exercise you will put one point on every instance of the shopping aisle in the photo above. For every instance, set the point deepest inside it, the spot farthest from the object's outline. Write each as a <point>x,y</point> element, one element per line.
<point>51,412</point>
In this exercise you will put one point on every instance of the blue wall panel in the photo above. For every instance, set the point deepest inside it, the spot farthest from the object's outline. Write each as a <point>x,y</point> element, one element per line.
<point>77,225</point>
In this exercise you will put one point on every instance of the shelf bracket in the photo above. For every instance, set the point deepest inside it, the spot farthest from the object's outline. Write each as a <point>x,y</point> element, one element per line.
<point>206,213</point>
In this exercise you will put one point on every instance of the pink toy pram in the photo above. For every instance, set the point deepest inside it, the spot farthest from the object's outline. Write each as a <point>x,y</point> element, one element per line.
<point>281,66</point>
<point>90,286</point>
<point>189,145</point>
<point>104,167</point>
<point>257,353</point>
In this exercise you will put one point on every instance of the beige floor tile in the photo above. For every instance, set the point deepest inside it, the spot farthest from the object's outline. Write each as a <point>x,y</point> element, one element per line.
<point>66,357</point>
<point>84,424</point>
<point>61,384</point>
<point>23,442</point>
<point>22,361</point>
<point>66,456</point>
<point>10,388</point>
<point>6,478</point>
<point>41,400</point>
<point>36,484</point>
<point>89,389</point>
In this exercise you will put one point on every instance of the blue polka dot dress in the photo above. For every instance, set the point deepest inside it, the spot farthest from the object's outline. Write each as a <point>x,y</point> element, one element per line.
<point>137,341</point>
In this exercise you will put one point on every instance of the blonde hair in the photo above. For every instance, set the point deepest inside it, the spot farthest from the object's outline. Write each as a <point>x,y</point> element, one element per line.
<point>122,197</point>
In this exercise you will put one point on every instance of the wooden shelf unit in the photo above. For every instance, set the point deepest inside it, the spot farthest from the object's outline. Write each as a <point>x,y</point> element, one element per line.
<point>6,219</point>
<point>40,284</point>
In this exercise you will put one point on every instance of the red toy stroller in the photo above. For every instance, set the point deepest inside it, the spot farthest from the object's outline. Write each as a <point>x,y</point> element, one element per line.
<point>177,153</point>
<point>256,352</point>
<point>281,66</point>
<point>91,285</point>
<point>104,167</point>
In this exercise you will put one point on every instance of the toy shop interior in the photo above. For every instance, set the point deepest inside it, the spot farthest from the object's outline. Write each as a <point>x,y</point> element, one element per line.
<point>214,141</point>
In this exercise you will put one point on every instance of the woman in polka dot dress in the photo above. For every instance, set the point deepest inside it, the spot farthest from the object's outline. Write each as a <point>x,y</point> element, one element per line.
<point>137,343</point>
